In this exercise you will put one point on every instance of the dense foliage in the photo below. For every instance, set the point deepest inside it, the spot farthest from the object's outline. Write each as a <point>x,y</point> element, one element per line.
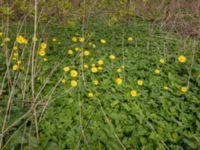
<point>143,95</point>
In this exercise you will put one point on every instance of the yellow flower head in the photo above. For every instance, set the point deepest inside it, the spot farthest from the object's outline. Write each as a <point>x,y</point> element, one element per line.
<point>86,66</point>
<point>1,34</point>
<point>184,89</point>
<point>7,39</point>
<point>102,41</point>
<point>100,62</point>
<point>66,69</point>
<point>70,52</point>
<point>130,39</point>
<point>81,39</point>
<point>74,39</point>
<point>54,39</point>
<point>119,70</point>
<point>19,62</point>
<point>86,53</point>
<point>123,66</point>
<point>100,68</point>
<point>182,59</point>
<point>15,54</point>
<point>157,71</point>
<point>43,45</point>
<point>90,43</point>
<point>73,73</point>
<point>118,81</point>
<point>162,61</point>
<point>42,52</point>
<point>112,57</point>
<point>134,93</point>
<point>21,40</point>
<point>15,67</point>
<point>93,46</point>
<point>94,70</point>
<point>90,94</point>
<point>2,44</point>
<point>34,39</point>
<point>166,88</point>
<point>15,48</point>
<point>140,82</point>
<point>14,58</point>
<point>95,82</point>
<point>45,59</point>
<point>77,49</point>
<point>93,65</point>
<point>73,83</point>
<point>63,81</point>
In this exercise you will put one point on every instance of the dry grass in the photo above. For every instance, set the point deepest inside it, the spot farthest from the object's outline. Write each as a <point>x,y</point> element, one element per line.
<point>181,16</point>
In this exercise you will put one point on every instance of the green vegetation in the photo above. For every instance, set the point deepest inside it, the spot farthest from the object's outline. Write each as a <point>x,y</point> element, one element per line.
<point>162,113</point>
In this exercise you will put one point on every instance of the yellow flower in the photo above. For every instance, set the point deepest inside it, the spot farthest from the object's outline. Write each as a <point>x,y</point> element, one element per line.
<point>119,70</point>
<point>134,93</point>
<point>74,39</point>
<point>77,49</point>
<point>63,81</point>
<point>90,43</point>
<point>14,58</point>
<point>54,39</point>
<point>95,82</point>
<point>15,54</point>
<point>157,71</point>
<point>59,43</point>
<point>34,39</point>
<point>15,48</point>
<point>130,39</point>
<point>70,52</point>
<point>73,83</point>
<point>15,67</point>
<point>90,94</point>
<point>123,66</point>
<point>86,66</point>
<point>66,69</point>
<point>21,40</point>
<point>100,68</point>
<point>81,39</point>
<point>86,53</point>
<point>100,62</point>
<point>73,73</point>
<point>94,70</point>
<point>2,44</point>
<point>1,34</point>
<point>184,89</point>
<point>42,52</point>
<point>93,46</point>
<point>162,61</point>
<point>112,57</point>
<point>140,82</point>
<point>102,41</point>
<point>43,45</point>
<point>118,81</point>
<point>45,59</point>
<point>7,39</point>
<point>93,65</point>
<point>166,88</point>
<point>182,59</point>
<point>19,62</point>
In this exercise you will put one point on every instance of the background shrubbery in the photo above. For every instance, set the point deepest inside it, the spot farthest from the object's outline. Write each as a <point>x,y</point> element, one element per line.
<point>176,15</point>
